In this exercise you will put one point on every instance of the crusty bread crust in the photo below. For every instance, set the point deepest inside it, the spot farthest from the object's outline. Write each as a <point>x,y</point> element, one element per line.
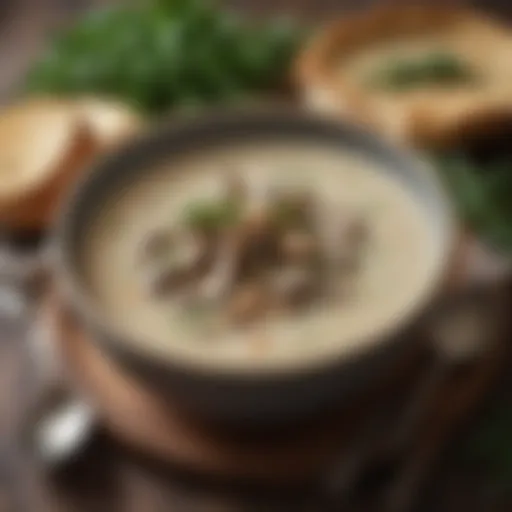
<point>432,117</point>
<point>45,145</point>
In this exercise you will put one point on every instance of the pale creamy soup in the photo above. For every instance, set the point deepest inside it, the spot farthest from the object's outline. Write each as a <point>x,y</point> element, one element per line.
<point>393,272</point>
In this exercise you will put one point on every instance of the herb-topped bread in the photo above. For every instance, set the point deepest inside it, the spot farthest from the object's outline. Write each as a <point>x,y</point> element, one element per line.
<point>414,73</point>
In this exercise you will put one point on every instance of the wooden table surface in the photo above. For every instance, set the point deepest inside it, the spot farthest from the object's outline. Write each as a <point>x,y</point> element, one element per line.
<point>110,478</point>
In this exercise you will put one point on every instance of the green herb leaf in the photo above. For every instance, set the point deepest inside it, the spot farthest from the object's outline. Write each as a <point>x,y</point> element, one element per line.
<point>212,215</point>
<point>436,68</point>
<point>482,193</point>
<point>160,54</point>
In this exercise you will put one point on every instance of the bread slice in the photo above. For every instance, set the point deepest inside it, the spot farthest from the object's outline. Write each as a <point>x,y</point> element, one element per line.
<point>333,73</point>
<point>110,122</point>
<point>45,145</point>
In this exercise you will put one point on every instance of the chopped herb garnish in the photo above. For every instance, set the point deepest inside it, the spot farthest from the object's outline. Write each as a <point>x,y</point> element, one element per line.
<point>212,215</point>
<point>432,69</point>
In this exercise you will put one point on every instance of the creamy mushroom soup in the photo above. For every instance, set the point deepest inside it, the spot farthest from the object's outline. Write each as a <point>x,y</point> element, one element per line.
<point>260,254</point>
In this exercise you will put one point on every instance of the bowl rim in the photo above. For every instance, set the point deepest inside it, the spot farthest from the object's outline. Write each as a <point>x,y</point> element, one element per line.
<point>104,333</point>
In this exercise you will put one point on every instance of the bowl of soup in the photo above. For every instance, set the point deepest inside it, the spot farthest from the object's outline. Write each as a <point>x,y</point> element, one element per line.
<point>257,266</point>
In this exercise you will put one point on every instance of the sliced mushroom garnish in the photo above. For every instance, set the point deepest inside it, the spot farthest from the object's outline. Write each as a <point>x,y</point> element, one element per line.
<point>192,253</point>
<point>163,281</point>
<point>257,225</point>
<point>293,286</point>
<point>293,209</point>
<point>156,244</point>
<point>257,242</point>
<point>298,247</point>
<point>254,248</point>
<point>248,303</point>
<point>186,260</point>
<point>222,275</point>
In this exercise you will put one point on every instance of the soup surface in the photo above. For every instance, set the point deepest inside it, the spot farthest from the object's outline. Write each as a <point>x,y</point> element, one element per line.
<point>391,273</point>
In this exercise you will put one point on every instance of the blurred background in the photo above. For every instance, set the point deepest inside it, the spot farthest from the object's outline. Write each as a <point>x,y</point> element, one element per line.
<point>26,23</point>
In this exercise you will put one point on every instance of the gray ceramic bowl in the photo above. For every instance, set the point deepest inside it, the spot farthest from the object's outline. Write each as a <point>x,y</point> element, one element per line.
<point>241,397</point>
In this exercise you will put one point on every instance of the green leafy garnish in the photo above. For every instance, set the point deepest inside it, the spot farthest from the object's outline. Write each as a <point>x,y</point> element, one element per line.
<point>432,69</point>
<point>483,193</point>
<point>212,215</point>
<point>167,53</point>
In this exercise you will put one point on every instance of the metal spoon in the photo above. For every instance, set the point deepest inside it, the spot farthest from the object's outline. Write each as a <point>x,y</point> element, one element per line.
<point>461,331</point>
<point>61,424</point>
<point>63,431</point>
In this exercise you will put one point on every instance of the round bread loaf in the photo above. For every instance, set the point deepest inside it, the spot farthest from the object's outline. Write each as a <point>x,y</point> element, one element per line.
<point>338,72</point>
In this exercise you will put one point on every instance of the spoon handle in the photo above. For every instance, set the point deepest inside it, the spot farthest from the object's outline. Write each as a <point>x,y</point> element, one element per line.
<point>57,424</point>
<point>60,431</point>
<point>64,431</point>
